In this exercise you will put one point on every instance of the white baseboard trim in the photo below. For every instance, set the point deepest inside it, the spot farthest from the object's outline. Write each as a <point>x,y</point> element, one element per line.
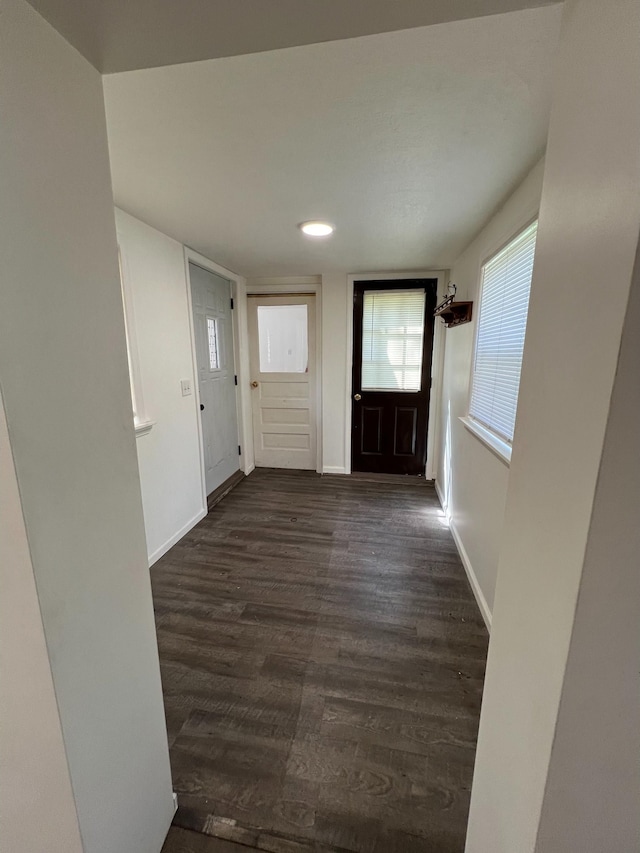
<point>248,469</point>
<point>334,469</point>
<point>175,802</point>
<point>473,580</point>
<point>159,552</point>
<point>466,562</point>
<point>440,498</point>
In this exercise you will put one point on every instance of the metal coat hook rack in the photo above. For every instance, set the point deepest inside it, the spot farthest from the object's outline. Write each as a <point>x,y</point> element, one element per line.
<point>453,313</point>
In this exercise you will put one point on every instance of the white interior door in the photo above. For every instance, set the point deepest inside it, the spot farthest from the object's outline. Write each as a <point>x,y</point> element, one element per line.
<point>213,329</point>
<point>282,333</point>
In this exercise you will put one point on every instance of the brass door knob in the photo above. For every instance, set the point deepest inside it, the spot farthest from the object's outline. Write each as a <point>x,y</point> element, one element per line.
<point>254,384</point>
<point>357,397</point>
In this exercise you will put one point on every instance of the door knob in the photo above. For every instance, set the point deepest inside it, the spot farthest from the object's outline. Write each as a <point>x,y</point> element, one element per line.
<point>357,397</point>
<point>254,384</point>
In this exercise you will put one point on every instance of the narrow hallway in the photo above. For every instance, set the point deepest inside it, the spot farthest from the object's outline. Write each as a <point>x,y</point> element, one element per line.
<point>322,662</point>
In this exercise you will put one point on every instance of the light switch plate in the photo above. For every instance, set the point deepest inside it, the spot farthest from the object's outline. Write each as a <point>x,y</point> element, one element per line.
<point>185,385</point>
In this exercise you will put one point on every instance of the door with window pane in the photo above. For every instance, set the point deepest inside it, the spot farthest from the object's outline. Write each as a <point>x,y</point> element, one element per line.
<point>392,345</point>
<point>283,380</point>
<point>213,328</point>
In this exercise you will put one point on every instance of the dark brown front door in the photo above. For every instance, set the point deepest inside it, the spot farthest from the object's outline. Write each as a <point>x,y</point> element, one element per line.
<point>392,344</point>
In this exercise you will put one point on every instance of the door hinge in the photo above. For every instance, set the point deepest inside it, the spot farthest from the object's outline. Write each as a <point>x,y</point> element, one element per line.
<point>232,303</point>
<point>235,380</point>
<point>239,451</point>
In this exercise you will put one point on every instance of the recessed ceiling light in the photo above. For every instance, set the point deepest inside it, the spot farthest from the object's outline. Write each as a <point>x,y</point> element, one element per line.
<point>316,229</point>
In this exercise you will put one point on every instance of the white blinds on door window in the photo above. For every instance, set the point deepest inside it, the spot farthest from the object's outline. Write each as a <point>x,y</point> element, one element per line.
<point>502,321</point>
<point>392,334</point>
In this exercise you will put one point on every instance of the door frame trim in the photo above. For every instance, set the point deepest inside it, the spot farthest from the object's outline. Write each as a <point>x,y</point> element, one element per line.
<point>437,365</point>
<point>240,363</point>
<point>302,285</point>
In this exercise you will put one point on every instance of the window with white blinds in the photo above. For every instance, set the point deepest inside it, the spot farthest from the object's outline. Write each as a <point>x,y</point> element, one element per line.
<point>392,335</point>
<point>502,321</point>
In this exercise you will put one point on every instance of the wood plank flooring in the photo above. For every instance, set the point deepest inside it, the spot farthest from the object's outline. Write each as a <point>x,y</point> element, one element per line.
<point>322,661</point>
<point>185,841</point>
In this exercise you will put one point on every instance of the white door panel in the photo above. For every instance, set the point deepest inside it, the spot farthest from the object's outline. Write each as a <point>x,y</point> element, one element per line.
<point>213,327</point>
<point>283,367</point>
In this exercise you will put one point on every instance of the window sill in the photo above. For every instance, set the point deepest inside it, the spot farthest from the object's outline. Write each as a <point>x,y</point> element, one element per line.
<point>496,445</point>
<point>143,427</point>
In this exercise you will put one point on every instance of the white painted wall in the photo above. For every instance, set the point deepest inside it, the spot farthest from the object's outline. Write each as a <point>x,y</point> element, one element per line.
<point>593,786</point>
<point>37,809</point>
<point>169,455</point>
<point>556,763</point>
<point>154,268</point>
<point>336,314</point>
<point>471,479</point>
<point>63,373</point>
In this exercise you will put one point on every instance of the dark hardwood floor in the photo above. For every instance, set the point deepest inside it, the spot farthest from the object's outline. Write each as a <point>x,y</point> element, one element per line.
<point>185,841</point>
<point>322,661</point>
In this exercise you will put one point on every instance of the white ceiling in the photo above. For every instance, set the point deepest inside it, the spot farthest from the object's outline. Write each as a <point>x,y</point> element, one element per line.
<point>122,35</point>
<point>407,141</point>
